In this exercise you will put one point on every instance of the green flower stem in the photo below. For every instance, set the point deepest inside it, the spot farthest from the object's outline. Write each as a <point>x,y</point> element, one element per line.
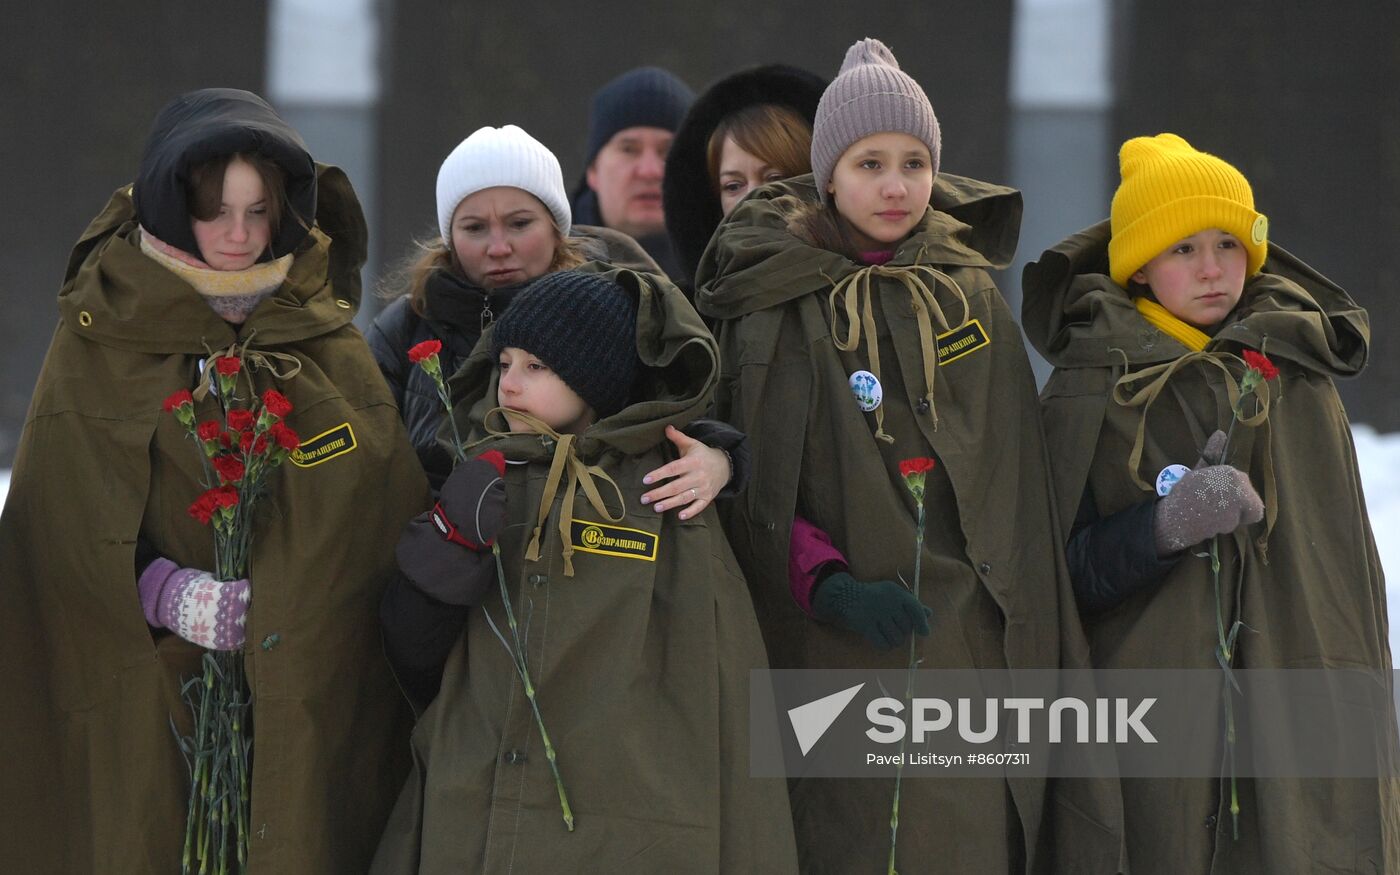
<point>446,399</point>
<point>522,668</point>
<point>1224,642</point>
<point>908,685</point>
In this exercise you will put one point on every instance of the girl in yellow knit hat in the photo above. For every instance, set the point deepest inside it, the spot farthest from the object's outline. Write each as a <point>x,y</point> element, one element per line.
<point>1192,414</point>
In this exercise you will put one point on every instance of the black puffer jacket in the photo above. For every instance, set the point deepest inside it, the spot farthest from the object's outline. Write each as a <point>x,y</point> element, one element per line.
<point>455,313</point>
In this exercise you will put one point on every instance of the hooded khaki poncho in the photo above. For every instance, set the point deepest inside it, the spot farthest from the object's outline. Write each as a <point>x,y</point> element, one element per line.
<point>992,569</point>
<point>641,658</point>
<point>1318,601</point>
<point>93,780</point>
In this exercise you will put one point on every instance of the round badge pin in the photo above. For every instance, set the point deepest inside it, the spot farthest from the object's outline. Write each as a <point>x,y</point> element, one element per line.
<point>867,390</point>
<point>1167,477</point>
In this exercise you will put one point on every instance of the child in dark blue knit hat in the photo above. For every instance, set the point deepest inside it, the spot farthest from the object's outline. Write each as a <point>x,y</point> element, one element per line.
<point>635,628</point>
<point>567,352</point>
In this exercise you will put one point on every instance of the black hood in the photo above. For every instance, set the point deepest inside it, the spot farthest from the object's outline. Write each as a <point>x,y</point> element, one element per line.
<point>692,206</point>
<point>205,124</point>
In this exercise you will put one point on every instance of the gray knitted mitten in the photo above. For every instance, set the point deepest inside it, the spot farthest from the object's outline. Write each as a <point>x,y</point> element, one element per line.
<point>1209,500</point>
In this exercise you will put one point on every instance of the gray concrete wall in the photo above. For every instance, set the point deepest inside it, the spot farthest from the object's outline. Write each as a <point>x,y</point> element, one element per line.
<point>454,67</point>
<point>1304,98</point>
<point>80,83</point>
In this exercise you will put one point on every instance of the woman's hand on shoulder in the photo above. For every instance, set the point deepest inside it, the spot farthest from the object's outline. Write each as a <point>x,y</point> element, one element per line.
<point>692,481</point>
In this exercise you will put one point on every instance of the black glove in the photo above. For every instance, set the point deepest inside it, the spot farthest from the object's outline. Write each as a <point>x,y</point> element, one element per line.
<point>446,552</point>
<point>882,610</point>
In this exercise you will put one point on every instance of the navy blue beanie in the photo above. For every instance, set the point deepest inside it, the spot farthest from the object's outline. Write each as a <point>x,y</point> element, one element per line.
<point>584,327</point>
<point>647,97</point>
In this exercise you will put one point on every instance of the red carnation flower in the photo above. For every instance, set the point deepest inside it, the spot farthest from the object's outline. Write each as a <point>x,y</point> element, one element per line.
<point>209,431</point>
<point>276,403</point>
<point>230,468</point>
<point>240,419</point>
<point>260,445</point>
<point>245,441</point>
<point>225,496</point>
<point>424,350</point>
<point>179,399</point>
<point>203,507</point>
<point>1257,361</point>
<point>920,465</point>
<point>228,365</point>
<point>285,437</point>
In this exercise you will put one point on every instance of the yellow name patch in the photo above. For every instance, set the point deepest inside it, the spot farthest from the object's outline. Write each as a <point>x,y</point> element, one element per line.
<point>591,537</point>
<point>955,344</point>
<point>325,446</point>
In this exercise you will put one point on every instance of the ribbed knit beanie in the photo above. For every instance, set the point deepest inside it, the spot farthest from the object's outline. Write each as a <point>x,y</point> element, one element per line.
<point>1170,191</point>
<point>501,156</point>
<point>584,327</point>
<point>869,96</point>
<point>648,97</point>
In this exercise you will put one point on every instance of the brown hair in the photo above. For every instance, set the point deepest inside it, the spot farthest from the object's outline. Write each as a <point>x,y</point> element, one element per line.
<point>776,135</point>
<point>205,194</point>
<point>433,254</point>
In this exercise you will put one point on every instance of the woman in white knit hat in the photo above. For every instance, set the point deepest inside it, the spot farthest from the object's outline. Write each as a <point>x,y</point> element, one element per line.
<point>504,220</point>
<point>857,322</point>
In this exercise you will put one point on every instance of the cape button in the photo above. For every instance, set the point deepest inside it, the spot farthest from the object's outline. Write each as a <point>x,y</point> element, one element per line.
<point>922,406</point>
<point>985,568</point>
<point>515,757</point>
<point>1210,821</point>
<point>538,579</point>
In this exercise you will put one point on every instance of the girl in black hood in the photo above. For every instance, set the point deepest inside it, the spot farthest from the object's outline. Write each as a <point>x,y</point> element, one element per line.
<point>225,193</point>
<point>229,234</point>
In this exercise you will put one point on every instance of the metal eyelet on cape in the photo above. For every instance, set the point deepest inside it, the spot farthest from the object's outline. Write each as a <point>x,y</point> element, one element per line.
<point>860,315</point>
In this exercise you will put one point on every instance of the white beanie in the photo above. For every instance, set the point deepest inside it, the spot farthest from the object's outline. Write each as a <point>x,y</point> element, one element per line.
<point>492,157</point>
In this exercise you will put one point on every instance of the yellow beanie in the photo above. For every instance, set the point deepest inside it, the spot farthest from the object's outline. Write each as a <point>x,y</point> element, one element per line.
<point>1170,191</point>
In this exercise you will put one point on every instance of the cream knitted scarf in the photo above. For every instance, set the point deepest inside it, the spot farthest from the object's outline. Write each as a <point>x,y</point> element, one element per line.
<point>231,293</point>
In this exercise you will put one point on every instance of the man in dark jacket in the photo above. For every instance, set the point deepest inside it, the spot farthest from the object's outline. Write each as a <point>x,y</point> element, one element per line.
<point>630,126</point>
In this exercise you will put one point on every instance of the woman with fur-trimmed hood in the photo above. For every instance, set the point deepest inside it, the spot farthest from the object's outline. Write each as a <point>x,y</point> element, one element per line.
<point>748,129</point>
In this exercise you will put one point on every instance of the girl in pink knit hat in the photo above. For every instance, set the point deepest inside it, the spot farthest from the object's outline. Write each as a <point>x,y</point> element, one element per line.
<point>858,329</point>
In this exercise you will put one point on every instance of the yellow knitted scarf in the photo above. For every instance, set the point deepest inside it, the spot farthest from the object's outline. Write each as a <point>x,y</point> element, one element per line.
<point>1188,336</point>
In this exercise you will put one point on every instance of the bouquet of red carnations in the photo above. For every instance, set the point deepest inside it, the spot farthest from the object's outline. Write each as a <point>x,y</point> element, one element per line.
<point>239,450</point>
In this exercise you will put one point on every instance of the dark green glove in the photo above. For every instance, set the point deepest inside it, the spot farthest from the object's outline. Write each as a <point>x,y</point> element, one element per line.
<point>882,610</point>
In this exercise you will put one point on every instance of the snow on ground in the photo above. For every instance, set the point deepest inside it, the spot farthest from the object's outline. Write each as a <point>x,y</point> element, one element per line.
<point>1379,457</point>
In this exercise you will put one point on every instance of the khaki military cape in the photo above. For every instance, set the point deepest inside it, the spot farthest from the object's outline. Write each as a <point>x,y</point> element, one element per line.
<point>992,569</point>
<point>640,659</point>
<point>1318,601</point>
<point>93,780</point>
